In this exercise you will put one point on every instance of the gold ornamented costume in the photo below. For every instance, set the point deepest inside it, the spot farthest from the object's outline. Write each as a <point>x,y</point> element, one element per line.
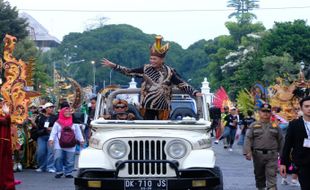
<point>12,89</point>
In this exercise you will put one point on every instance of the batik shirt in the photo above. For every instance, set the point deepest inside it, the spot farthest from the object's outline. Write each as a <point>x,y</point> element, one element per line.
<point>157,85</point>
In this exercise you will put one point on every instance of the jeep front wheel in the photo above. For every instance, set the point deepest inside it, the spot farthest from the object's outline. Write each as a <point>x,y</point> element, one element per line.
<point>219,173</point>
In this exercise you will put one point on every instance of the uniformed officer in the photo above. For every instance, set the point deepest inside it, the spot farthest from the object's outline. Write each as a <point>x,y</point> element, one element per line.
<point>263,142</point>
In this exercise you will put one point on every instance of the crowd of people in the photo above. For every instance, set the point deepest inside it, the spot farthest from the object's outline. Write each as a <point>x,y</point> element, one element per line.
<point>46,128</point>
<point>54,137</point>
<point>262,139</point>
<point>42,131</point>
<point>273,145</point>
<point>42,149</point>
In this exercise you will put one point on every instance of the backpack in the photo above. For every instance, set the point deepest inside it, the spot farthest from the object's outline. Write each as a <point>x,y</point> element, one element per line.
<point>67,137</point>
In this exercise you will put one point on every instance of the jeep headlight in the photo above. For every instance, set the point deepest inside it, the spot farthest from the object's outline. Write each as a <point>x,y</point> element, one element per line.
<point>176,149</point>
<point>117,149</point>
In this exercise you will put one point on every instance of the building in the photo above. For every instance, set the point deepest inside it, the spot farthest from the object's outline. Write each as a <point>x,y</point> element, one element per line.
<point>39,34</point>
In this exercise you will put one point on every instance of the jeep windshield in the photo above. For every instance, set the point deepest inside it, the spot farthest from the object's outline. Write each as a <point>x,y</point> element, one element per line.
<point>184,109</point>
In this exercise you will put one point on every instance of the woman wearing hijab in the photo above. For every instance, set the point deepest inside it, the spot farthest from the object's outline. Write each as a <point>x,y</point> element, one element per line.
<point>64,157</point>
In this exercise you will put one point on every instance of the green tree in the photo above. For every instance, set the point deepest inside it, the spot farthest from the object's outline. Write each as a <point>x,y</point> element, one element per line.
<point>242,10</point>
<point>216,75</point>
<point>10,23</point>
<point>238,30</point>
<point>26,50</point>
<point>279,66</point>
<point>194,57</point>
<point>247,73</point>
<point>231,64</point>
<point>122,44</point>
<point>289,37</point>
<point>233,57</point>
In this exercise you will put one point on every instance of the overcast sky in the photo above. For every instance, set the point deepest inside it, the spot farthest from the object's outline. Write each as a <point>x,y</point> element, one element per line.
<point>156,17</point>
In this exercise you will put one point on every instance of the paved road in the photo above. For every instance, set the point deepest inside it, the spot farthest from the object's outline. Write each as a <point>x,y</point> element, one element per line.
<point>238,174</point>
<point>237,171</point>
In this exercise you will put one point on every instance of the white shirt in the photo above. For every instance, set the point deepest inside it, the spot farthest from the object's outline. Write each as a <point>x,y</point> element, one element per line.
<point>55,135</point>
<point>307,126</point>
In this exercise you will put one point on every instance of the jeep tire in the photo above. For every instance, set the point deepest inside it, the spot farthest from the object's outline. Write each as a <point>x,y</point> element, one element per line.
<point>218,172</point>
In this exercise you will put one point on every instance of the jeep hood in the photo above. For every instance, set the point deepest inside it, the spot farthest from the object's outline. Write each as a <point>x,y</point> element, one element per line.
<point>192,136</point>
<point>189,123</point>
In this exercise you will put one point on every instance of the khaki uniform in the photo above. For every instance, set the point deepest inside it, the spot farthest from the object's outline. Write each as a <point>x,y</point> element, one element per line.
<point>264,141</point>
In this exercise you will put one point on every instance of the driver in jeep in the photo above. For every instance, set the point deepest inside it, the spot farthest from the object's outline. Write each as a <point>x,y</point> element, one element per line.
<point>120,111</point>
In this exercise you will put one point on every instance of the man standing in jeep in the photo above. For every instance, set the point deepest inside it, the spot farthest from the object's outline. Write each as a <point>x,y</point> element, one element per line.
<point>158,79</point>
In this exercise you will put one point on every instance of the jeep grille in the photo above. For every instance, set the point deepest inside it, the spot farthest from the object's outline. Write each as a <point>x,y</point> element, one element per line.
<point>147,149</point>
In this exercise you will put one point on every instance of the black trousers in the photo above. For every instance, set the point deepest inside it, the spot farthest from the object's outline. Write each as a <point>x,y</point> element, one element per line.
<point>304,176</point>
<point>151,114</point>
<point>156,114</point>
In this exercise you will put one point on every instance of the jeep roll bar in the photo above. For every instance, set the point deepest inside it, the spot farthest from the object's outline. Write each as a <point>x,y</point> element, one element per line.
<point>104,104</point>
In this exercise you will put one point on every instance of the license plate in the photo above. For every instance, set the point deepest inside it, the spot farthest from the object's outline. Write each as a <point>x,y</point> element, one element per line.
<point>145,184</point>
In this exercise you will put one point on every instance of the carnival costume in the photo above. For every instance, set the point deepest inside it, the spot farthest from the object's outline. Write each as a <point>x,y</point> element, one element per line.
<point>6,162</point>
<point>156,88</point>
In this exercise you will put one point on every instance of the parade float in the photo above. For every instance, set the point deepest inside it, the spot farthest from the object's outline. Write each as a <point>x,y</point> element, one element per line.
<point>66,89</point>
<point>283,96</point>
<point>17,92</point>
<point>17,95</point>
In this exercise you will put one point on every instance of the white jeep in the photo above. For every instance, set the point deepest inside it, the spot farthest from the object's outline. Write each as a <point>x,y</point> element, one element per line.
<point>150,154</point>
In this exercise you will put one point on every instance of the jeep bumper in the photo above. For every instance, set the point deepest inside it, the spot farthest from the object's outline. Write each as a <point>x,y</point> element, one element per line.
<point>200,178</point>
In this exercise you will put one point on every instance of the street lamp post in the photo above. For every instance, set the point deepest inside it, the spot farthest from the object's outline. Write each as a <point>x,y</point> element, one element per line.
<point>111,77</point>
<point>301,70</point>
<point>94,76</point>
<point>302,65</point>
<point>54,74</point>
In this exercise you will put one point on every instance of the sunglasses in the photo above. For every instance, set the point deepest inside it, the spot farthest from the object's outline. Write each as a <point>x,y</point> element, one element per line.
<point>266,111</point>
<point>118,107</point>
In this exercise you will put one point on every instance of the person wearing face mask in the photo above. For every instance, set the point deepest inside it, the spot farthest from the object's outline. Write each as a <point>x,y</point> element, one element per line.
<point>158,80</point>
<point>64,157</point>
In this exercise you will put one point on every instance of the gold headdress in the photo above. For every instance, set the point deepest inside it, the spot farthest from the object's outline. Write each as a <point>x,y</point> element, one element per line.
<point>157,49</point>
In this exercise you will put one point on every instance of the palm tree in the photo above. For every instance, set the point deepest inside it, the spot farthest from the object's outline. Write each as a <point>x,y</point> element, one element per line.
<point>242,8</point>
